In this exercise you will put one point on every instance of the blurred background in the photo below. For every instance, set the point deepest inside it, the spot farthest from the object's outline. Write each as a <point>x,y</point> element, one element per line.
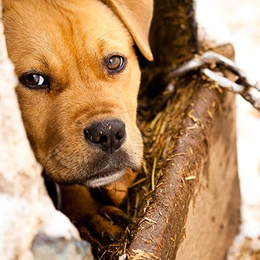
<point>243,20</point>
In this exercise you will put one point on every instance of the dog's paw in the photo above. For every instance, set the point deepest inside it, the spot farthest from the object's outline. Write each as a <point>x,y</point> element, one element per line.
<point>106,226</point>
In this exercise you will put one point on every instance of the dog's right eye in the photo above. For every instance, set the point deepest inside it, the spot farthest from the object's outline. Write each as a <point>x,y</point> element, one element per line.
<point>34,81</point>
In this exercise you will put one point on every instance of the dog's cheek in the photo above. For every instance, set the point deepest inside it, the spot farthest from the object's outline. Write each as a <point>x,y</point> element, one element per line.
<point>133,89</point>
<point>34,114</point>
<point>130,88</point>
<point>127,89</point>
<point>48,130</point>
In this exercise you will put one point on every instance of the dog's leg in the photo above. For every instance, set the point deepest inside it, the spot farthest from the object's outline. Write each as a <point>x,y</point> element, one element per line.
<point>117,191</point>
<point>92,217</point>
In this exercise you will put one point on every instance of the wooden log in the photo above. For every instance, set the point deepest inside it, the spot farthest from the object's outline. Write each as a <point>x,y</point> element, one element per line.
<point>194,211</point>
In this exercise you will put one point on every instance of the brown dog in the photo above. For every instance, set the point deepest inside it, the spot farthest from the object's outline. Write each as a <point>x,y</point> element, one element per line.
<point>79,79</point>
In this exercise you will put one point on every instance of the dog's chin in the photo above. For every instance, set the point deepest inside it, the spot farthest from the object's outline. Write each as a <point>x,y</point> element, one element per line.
<point>100,180</point>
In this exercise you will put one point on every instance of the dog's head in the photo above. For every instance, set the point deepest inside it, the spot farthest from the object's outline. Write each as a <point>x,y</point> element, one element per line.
<point>79,79</point>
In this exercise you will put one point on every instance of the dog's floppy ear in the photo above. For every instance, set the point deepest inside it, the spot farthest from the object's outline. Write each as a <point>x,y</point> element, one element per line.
<point>137,16</point>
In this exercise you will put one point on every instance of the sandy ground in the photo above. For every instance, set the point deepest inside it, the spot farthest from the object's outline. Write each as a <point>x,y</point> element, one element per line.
<point>243,20</point>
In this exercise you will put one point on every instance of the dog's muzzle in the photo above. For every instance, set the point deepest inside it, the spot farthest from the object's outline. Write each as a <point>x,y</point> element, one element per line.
<point>107,136</point>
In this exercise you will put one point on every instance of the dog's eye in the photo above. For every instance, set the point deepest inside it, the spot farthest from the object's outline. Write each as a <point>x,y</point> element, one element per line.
<point>116,63</point>
<point>35,81</point>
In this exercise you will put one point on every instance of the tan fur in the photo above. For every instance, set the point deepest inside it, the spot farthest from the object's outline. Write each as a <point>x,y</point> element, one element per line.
<point>67,40</point>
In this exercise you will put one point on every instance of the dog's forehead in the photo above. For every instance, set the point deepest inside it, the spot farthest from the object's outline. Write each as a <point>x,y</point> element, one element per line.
<point>64,25</point>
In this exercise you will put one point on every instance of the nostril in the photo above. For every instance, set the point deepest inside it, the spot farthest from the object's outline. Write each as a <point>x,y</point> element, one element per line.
<point>95,137</point>
<point>120,134</point>
<point>90,136</point>
<point>103,139</point>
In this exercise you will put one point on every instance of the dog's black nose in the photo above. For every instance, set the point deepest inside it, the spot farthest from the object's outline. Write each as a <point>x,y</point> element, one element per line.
<point>109,135</point>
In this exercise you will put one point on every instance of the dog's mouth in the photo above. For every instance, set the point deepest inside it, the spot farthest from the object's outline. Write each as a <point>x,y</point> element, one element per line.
<point>98,172</point>
<point>103,178</point>
<point>108,174</point>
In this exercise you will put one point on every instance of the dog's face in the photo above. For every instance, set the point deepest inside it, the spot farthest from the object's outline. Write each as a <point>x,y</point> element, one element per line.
<point>79,80</point>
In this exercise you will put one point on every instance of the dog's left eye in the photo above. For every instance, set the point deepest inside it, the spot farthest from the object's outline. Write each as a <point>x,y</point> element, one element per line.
<point>115,63</point>
<point>34,81</point>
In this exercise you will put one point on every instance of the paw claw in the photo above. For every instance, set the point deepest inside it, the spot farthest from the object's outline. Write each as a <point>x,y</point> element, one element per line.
<point>116,215</point>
